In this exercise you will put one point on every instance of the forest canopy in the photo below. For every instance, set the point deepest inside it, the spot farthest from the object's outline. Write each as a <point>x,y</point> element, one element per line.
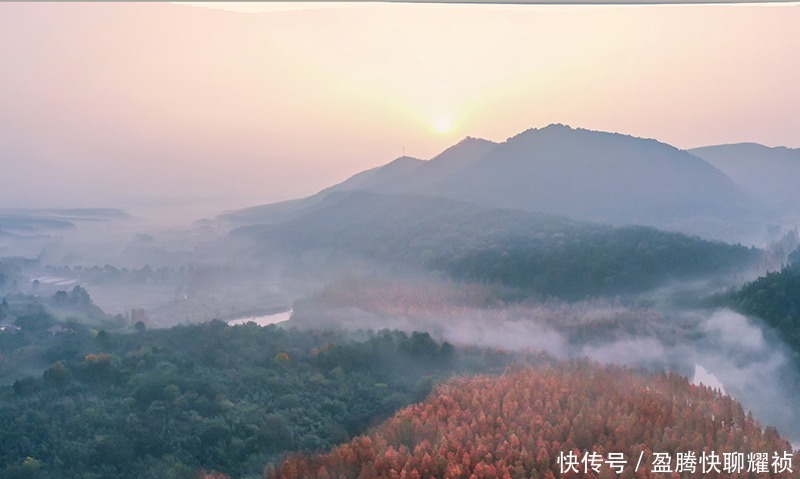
<point>540,255</point>
<point>164,403</point>
<point>524,423</point>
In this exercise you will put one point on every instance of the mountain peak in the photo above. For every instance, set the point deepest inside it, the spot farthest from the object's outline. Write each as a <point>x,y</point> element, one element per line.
<point>464,152</point>
<point>575,172</point>
<point>469,144</point>
<point>472,140</point>
<point>564,136</point>
<point>558,127</point>
<point>552,131</point>
<point>747,146</point>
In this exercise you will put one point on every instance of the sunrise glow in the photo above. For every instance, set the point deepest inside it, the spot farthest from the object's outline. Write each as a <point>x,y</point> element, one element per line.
<point>443,125</point>
<point>333,91</point>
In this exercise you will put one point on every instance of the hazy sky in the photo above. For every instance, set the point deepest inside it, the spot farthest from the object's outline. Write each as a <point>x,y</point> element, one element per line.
<point>117,104</point>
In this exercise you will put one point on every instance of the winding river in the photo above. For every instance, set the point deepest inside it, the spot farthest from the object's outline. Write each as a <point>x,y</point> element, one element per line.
<point>264,320</point>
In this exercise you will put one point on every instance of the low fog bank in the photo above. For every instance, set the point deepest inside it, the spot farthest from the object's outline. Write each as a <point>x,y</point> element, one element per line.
<point>157,263</point>
<point>164,272</point>
<point>81,236</point>
<point>754,366</point>
<point>170,260</point>
<point>160,264</point>
<point>713,347</point>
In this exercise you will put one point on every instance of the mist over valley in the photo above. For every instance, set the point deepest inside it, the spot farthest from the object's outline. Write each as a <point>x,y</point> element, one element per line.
<point>413,241</point>
<point>397,248</point>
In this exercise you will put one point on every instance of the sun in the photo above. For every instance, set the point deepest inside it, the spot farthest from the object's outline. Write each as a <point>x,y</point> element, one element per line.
<point>443,125</point>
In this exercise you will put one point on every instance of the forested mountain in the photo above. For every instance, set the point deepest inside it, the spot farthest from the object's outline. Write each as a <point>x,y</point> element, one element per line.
<point>424,178</point>
<point>480,309</point>
<point>770,174</point>
<point>775,298</point>
<point>582,174</point>
<point>536,253</point>
<point>600,177</point>
<point>377,176</point>
<point>402,175</point>
<point>523,423</point>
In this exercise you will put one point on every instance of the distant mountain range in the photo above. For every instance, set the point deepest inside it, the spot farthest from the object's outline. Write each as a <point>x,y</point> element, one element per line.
<point>770,174</point>
<point>42,221</point>
<point>582,174</point>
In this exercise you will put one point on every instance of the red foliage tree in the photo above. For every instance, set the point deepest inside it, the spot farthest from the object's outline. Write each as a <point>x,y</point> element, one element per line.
<point>521,424</point>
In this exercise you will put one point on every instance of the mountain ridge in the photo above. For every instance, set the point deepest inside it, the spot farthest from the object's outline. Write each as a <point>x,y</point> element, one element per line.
<point>534,253</point>
<point>584,174</point>
<point>767,173</point>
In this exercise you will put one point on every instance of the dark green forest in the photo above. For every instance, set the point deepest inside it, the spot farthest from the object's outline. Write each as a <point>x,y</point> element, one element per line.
<point>165,403</point>
<point>539,255</point>
<point>596,262</point>
<point>775,298</point>
<point>89,395</point>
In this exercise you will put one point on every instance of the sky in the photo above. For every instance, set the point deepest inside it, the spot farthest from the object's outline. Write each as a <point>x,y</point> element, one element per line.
<point>132,104</point>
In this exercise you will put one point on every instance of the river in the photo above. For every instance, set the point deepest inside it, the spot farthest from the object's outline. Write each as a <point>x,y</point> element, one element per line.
<point>263,320</point>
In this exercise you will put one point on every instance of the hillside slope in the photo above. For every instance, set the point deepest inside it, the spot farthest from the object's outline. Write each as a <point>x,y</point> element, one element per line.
<point>537,253</point>
<point>770,174</point>
<point>587,175</point>
<point>283,210</point>
<point>520,424</point>
<point>605,177</point>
